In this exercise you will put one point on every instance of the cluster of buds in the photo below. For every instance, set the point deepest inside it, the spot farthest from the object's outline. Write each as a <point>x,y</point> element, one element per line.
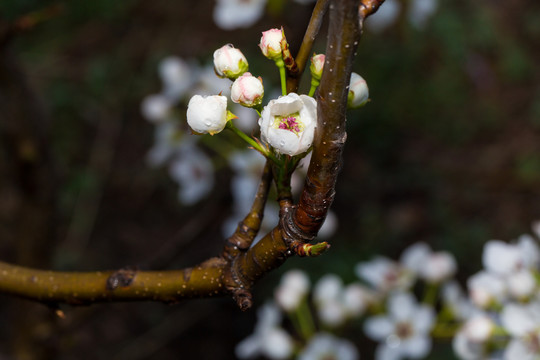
<point>288,123</point>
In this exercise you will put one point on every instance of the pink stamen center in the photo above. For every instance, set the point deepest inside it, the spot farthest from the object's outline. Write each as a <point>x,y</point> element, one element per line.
<point>289,123</point>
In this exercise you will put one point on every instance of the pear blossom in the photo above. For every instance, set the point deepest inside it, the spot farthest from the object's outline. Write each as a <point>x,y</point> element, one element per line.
<point>466,349</point>
<point>523,324</point>
<point>358,91</point>
<point>501,258</point>
<point>229,62</point>
<point>404,331</point>
<point>268,339</point>
<point>325,346</point>
<point>317,65</point>
<point>270,43</point>
<point>176,75</point>
<point>434,267</point>
<point>454,298</point>
<point>486,289</point>
<point>385,274</point>
<point>208,114</point>
<point>234,14</point>
<point>292,289</point>
<point>521,284</point>
<point>156,108</point>
<point>193,171</point>
<point>247,90</point>
<point>471,341</point>
<point>288,123</point>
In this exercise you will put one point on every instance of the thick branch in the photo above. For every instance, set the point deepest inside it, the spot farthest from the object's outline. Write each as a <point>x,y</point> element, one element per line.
<point>330,134</point>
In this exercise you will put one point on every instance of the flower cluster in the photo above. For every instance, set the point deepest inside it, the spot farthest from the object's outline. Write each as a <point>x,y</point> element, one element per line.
<point>406,305</point>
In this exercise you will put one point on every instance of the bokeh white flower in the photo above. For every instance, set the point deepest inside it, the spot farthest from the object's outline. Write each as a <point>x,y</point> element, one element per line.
<point>324,346</point>
<point>234,14</point>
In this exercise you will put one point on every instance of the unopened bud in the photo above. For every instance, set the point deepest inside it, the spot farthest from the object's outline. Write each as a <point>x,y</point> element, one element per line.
<point>271,43</point>
<point>317,65</point>
<point>247,90</point>
<point>229,62</point>
<point>358,91</point>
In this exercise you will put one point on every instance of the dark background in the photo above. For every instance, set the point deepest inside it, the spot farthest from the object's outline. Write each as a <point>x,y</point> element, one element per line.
<point>447,152</point>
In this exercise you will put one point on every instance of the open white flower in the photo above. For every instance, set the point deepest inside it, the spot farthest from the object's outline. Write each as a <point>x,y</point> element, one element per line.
<point>486,289</point>
<point>247,90</point>
<point>229,62</point>
<point>404,332</point>
<point>325,346</point>
<point>207,114</point>
<point>288,123</point>
<point>385,274</point>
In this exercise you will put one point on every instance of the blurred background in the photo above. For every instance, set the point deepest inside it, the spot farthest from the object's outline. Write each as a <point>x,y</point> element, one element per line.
<point>447,152</point>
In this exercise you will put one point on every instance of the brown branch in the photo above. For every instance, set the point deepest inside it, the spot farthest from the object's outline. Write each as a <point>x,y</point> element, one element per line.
<point>304,53</point>
<point>330,134</point>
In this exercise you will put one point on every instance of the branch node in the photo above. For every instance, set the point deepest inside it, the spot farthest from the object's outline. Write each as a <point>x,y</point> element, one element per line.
<point>243,298</point>
<point>121,278</point>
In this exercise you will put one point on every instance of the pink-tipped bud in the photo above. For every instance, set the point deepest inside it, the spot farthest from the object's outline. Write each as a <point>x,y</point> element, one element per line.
<point>358,91</point>
<point>271,43</point>
<point>247,90</point>
<point>229,62</point>
<point>317,65</point>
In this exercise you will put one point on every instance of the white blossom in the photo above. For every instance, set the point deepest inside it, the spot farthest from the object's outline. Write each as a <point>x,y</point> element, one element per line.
<point>385,274</point>
<point>404,331</point>
<point>193,171</point>
<point>234,14</point>
<point>486,289</point>
<point>288,123</point>
<point>324,346</point>
<point>208,114</point>
<point>454,298</point>
<point>292,289</point>
<point>268,339</point>
<point>358,91</point>
<point>176,75</point>
<point>156,108</point>
<point>523,323</point>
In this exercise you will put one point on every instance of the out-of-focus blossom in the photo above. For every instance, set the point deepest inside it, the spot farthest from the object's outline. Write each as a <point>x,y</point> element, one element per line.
<point>293,288</point>
<point>384,274</point>
<point>208,114</point>
<point>270,43</point>
<point>454,298</point>
<point>166,143</point>
<point>317,66</point>
<point>288,123</point>
<point>156,108</point>
<point>268,339</point>
<point>325,346</point>
<point>384,17</point>
<point>234,14</point>
<point>420,11</point>
<point>337,303</point>
<point>470,342</point>
<point>434,267</point>
<point>247,90</point>
<point>521,284</point>
<point>176,75</point>
<point>523,324</point>
<point>501,258</point>
<point>404,332</point>
<point>209,84</point>
<point>486,289</point>
<point>193,171</point>
<point>229,62</point>
<point>358,91</point>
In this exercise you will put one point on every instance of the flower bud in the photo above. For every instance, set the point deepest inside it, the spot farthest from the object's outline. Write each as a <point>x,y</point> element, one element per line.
<point>358,91</point>
<point>271,43</point>
<point>247,90</point>
<point>207,114</point>
<point>229,62</point>
<point>317,65</point>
